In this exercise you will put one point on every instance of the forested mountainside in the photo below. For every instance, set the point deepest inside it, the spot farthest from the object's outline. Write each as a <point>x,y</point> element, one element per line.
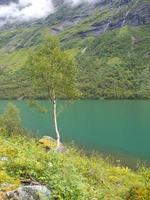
<point>110,39</point>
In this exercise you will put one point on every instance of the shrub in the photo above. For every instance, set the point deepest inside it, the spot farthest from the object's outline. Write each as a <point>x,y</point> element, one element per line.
<point>6,182</point>
<point>138,193</point>
<point>11,121</point>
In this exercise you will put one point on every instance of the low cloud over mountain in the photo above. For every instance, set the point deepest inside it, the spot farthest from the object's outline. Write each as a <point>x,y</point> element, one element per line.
<point>76,2</point>
<point>24,10</point>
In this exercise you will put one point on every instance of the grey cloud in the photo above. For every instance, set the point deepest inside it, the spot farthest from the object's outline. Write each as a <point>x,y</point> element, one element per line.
<point>26,10</point>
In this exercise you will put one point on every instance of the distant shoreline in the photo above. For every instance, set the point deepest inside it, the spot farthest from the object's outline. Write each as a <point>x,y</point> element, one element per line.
<point>83,99</point>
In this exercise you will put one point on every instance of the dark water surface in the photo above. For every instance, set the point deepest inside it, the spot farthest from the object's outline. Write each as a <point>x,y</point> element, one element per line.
<point>116,127</point>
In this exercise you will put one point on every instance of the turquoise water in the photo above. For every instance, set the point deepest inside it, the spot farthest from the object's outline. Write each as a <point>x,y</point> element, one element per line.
<point>121,127</point>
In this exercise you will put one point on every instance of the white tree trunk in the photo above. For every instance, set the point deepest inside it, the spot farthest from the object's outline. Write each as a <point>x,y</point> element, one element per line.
<point>55,123</point>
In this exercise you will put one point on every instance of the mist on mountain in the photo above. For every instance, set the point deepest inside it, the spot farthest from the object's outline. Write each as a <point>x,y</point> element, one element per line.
<point>24,10</point>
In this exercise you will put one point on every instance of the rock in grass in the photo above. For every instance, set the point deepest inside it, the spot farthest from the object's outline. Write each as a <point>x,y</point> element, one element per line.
<point>4,159</point>
<point>48,142</point>
<point>36,192</point>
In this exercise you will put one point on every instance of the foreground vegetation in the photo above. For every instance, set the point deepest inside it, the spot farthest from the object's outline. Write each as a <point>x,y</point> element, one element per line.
<point>71,175</point>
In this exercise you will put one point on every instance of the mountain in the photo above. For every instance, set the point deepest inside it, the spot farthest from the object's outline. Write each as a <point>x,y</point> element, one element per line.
<point>110,39</point>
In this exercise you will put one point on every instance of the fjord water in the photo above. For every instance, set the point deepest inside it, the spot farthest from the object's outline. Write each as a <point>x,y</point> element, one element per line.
<point>121,127</point>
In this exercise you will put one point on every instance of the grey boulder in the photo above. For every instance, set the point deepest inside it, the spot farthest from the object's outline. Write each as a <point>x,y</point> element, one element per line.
<point>36,192</point>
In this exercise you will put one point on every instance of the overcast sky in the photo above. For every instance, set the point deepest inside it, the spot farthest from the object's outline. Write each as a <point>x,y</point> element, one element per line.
<point>26,10</point>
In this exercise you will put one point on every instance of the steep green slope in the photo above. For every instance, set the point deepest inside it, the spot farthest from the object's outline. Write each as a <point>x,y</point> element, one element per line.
<point>120,64</point>
<point>110,41</point>
<point>114,65</point>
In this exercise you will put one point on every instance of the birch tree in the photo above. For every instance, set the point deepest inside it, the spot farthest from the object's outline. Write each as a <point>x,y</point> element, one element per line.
<point>53,71</point>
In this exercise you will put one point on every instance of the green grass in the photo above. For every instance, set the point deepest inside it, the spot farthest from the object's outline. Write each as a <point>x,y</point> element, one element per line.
<point>70,176</point>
